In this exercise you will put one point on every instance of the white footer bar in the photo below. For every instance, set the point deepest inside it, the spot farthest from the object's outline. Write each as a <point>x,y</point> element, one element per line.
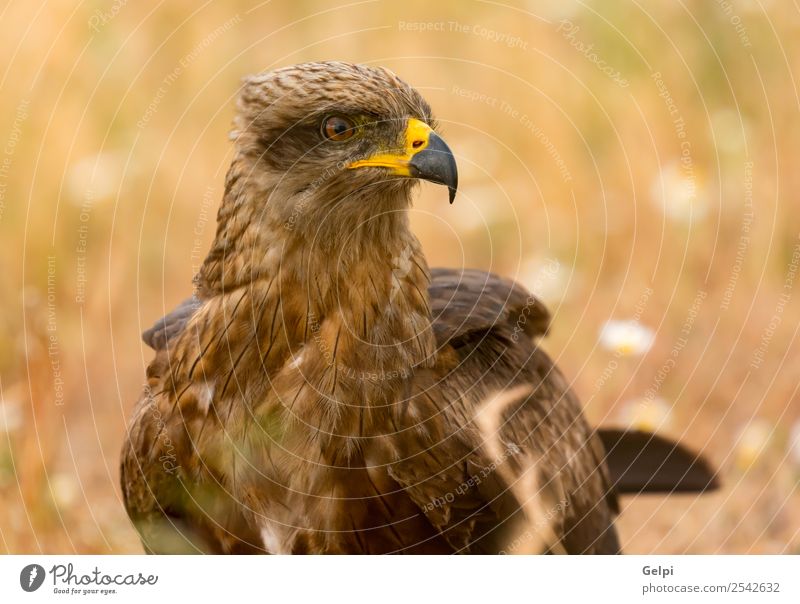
<point>406,580</point>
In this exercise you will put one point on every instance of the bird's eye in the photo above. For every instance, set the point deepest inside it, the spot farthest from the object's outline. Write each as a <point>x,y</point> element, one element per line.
<point>338,128</point>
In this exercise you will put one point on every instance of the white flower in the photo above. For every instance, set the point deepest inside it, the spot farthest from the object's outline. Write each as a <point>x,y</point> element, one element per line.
<point>65,489</point>
<point>627,338</point>
<point>545,278</point>
<point>753,439</point>
<point>95,177</point>
<point>680,192</point>
<point>647,414</point>
<point>10,416</point>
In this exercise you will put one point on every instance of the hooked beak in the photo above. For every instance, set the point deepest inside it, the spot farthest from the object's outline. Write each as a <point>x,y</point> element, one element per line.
<point>425,155</point>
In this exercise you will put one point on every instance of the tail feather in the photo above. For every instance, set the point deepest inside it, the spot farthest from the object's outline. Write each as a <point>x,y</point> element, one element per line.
<point>642,462</point>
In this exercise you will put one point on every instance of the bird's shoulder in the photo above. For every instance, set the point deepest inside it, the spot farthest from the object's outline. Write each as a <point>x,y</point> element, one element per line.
<point>463,302</point>
<point>470,302</point>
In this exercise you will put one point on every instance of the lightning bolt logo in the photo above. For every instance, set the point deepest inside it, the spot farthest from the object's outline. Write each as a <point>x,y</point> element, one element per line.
<point>31,577</point>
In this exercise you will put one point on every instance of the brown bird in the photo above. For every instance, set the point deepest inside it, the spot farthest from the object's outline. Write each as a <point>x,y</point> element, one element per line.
<point>325,392</point>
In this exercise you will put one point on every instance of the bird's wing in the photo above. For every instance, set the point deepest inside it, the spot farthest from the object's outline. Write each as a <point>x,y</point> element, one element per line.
<point>173,512</point>
<point>495,449</point>
<point>471,301</point>
<point>540,472</point>
<point>154,495</point>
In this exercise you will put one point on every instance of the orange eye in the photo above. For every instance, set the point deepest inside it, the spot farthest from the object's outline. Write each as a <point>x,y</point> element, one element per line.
<point>338,128</point>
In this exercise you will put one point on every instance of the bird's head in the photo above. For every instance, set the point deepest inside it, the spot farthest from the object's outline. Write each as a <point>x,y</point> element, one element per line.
<point>339,141</point>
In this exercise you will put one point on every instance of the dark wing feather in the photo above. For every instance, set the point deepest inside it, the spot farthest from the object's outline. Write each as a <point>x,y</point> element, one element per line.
<point>171,512</point>
<point>469,301</point>
<point>485,327</point>
<point>468,491</point>
<point>171,325</point>
<point>154,495</point>
<point>641,462</point>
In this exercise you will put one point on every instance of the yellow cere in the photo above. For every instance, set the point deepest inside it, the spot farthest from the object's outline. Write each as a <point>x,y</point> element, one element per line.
<point>418,132</point>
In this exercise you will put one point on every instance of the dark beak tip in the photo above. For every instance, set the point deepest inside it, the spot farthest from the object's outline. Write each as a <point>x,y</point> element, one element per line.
<point>437,164</point>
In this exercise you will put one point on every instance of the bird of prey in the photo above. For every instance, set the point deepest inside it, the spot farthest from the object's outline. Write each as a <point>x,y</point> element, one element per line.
<point>324,391</point>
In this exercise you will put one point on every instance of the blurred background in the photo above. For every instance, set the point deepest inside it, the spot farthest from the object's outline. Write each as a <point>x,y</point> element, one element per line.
<point>635,166</point>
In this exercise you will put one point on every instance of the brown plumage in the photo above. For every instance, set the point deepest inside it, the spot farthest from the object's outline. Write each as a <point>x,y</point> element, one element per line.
<point>325,392</point>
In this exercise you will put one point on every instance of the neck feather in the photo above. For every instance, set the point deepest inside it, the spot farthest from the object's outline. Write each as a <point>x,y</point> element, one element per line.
<point>356,285</point>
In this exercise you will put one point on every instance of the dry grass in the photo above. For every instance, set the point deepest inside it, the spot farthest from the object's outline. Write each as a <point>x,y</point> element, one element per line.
<point>559,164</point>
